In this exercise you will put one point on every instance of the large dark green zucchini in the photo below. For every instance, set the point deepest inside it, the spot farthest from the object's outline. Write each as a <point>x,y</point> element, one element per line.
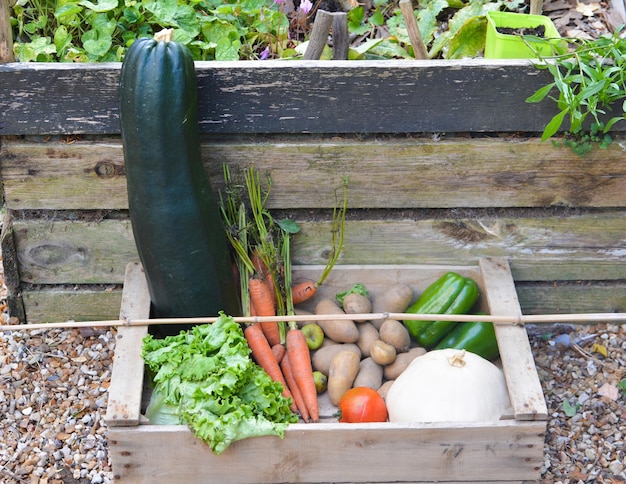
<point>173,210</point>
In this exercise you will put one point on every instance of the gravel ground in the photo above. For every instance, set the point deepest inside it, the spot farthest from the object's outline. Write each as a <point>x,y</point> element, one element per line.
<point>53,397</point>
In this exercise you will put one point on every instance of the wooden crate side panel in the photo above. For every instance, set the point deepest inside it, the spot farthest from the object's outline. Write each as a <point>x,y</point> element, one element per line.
<point>86,304</point>
<point>291,97</point>
<point>516,355</point>
<point>582,247</point>
<point>125,392</point>
<point>417,173</point>
<point>314,453</point>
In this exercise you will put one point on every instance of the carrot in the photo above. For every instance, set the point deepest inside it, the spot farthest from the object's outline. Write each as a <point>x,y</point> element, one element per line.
<point>259,266</point>
<point>279,353</point>
<point>285,365</point>
<point>263,355</point>
<point>252,308</point>
<point>300,360</point>
<point>303,291</point>
<point>264,305</point>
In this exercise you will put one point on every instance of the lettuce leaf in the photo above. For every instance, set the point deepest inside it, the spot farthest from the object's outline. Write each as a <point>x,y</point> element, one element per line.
<point>207,374</point>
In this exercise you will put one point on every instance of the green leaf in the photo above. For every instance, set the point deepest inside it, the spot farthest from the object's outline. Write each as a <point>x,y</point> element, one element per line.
<point>469,40</point>
<point>62,39</point>
<point>358,288</point>
<point>131,15</point>
<point>96,43</point>
<point>540,94</point>
<point>288,225</point>
<point>227,50</point>
<point>377,18</point>
<point>569,409</point>
<point>66,14</point>
<point>553,126</point>
<point>101,7</point>
<point>622,385</point>
<point>163,10</point>
<point>356,21</point>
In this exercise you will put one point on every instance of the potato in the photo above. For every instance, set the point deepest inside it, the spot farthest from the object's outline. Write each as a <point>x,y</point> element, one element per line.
<point>382,391</point>
<point>340,330</point>
<point>370,374</point>
<point>355,303</point>
<point>367,335</point>
<point>393,332</point>
<point>396,299</point>
<point>392,371</point>
<point>343,370</point>
<point>323,357</point>
<point>382,353</point>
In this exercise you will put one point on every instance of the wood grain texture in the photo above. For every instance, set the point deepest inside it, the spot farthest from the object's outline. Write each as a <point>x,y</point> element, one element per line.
<point>383,173</point>
<point>515,353</point>
<point>57,252</point>
<point>540,249</point>
<point>125,392</point>
<point>293,97</point>
<point>507,451</point>
<point>85,303</point>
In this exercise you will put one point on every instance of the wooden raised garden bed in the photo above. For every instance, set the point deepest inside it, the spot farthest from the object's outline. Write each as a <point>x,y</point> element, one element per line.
<point>509,450</point>
<point>442,156</point>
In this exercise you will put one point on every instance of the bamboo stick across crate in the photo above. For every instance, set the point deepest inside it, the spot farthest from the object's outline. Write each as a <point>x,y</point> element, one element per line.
<point>508,450</point>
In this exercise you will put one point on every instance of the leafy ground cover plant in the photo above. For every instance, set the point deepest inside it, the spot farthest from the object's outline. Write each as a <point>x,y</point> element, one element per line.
<point>102,30</point>
<point>591,91</point>
<point>85,31</point>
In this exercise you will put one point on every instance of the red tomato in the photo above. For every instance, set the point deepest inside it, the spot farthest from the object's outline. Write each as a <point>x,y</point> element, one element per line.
<point>362,404</point>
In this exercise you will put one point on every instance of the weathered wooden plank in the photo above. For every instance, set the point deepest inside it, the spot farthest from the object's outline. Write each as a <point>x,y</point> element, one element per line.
<point>504,451</point>
<point>63,176</point>
<point>293,97</point>
<point>578,247</point>
<point>515,353</point>
<point>389,173</point>
<point>78,303</point>
<point>124,405</point>
<point>74,252</point>
<point>572,297</point>
<point>84,303</point>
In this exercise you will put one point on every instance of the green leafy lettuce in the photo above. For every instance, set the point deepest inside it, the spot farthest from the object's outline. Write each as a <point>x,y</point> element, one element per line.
<point>208,376</point>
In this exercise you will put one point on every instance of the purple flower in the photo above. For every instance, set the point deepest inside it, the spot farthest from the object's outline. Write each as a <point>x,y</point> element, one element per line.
<point>265,54</point>
<point>280,2</point>
<point>305,7</point>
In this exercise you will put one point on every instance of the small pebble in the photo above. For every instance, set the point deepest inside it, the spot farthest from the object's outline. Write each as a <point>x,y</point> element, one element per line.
<point>58,433</point>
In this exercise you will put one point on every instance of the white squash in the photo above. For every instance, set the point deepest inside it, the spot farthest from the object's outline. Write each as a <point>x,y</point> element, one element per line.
<point>448,386</point>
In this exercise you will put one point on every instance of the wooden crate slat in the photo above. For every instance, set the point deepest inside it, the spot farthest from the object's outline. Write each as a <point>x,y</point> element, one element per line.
<point>515,353</point>
<point>124,405</point>
<point>292,97</point>
<point>469,173</point>
<point>506,451</point>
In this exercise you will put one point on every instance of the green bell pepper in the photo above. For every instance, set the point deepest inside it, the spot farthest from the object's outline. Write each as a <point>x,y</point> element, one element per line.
<point>478,337</point>
<point>450,294</point>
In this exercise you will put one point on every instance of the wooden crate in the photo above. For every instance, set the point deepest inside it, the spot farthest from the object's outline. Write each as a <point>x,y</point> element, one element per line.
<point>510,450</point>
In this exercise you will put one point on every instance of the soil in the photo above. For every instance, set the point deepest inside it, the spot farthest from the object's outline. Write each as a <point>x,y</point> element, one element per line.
<point>539,31</point>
